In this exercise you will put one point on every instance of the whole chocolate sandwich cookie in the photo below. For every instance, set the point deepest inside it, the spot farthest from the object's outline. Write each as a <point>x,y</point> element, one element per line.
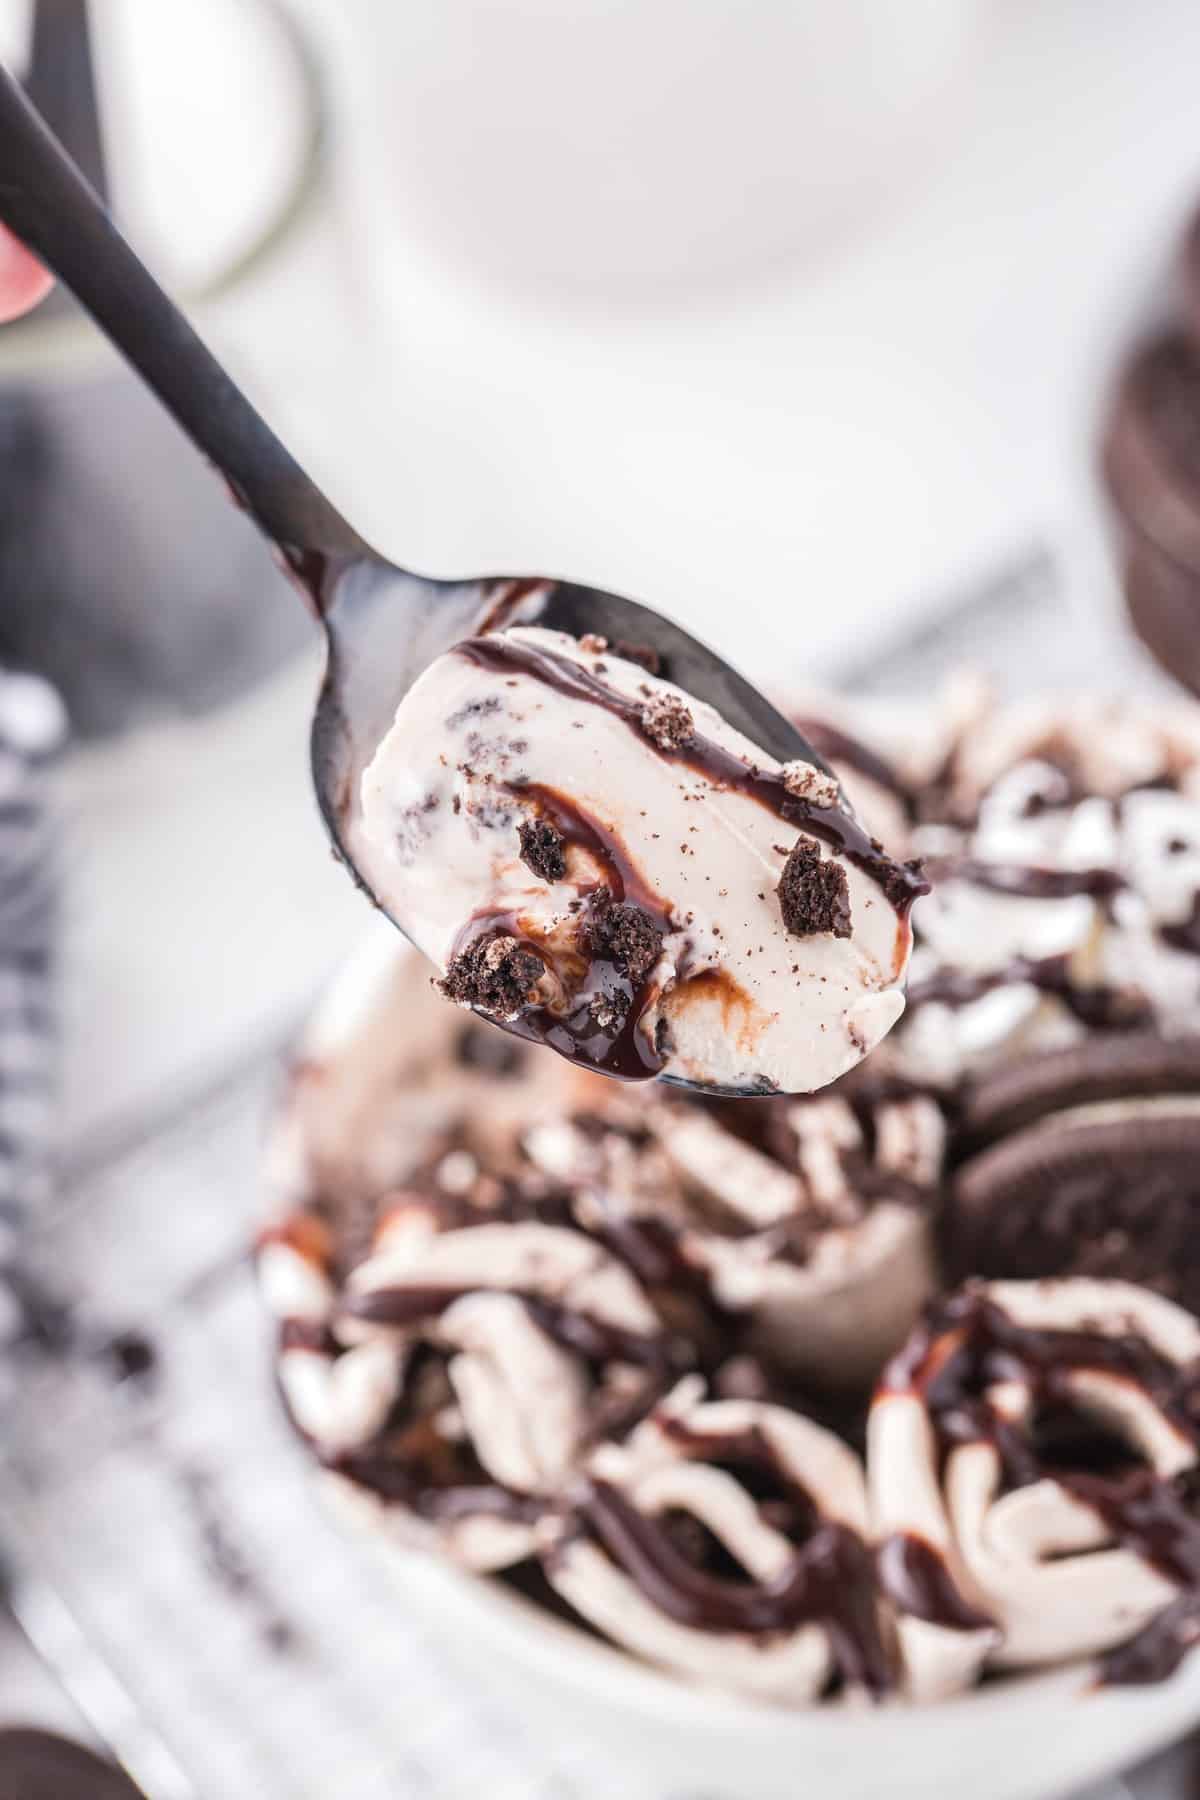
<point>1032,1458</point>
<point>1163,600</point>
<point>1151,450</point>
<point>1084,1161</point>
<point>1150,464</point>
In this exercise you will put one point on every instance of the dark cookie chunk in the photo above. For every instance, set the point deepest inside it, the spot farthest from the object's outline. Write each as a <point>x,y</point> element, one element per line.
<point>624,935</point>
<point>667,721</point>
<point>542,849</point>
<point>497,975</point>
<point>814,896</point>
<point>642,654</point>
<point>1151,450</point>
<point>1116,1199</point>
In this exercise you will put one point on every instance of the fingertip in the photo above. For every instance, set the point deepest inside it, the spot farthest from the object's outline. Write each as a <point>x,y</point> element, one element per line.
<point>23,280</point>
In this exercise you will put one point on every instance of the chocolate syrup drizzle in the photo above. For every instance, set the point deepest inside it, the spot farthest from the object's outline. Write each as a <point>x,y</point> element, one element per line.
<point>968,1343</point>
<point>1030,881</point>
<point>838,746</point>
<point>830,1580</point>
<point>598,1340</point>
<point>1100,1008</point>
<point>901,883</point>
<point>624,1050</point>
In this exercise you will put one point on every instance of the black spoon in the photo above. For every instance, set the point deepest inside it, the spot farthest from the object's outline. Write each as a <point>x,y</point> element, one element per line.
<point>383,624</point>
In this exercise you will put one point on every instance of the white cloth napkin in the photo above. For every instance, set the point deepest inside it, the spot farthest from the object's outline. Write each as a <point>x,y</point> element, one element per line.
<point>32,727</point>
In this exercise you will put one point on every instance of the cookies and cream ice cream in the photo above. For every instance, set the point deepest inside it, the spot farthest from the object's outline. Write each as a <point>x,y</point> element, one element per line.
<point>1029,1453</point>
<point>598,862</point>
<point>617,1343</point>
<point>728,1541</point>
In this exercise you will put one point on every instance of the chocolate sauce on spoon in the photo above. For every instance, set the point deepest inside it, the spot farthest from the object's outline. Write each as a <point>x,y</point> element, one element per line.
<point>902,883</point>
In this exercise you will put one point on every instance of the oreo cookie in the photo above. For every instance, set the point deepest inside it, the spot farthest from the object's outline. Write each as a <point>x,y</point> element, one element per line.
<point>1189,277</point>
<point>37,1765</point>
<point>1127,1066</point>
<point>1150,455</point>
<point>1084,1161</point>
<point>1163,599</point>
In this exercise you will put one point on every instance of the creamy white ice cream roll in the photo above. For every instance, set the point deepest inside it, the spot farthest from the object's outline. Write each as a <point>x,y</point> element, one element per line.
<point>456,1380</point>
<point>833,1271</point>
<point>523,1398</point>
<point>1020,1454</point>
<point>419,1276</point>
<point>701,1484</point>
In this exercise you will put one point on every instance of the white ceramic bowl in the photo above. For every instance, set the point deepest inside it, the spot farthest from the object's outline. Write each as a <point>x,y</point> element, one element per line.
<point>1038,1737</point>
<point>1034,1737</point>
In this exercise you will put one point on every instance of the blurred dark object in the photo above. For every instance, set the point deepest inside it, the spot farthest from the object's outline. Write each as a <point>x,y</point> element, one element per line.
<point>38,1765</point>
<point>1150,463</point>
<point>126,577</point>
<point>61,82</point>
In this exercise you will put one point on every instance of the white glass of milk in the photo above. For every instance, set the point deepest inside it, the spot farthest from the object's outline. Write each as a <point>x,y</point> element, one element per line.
<point>608,146</point>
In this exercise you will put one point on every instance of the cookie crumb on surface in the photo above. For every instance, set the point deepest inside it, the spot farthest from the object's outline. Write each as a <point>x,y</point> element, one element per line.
<point>809,783</point>
<point>498,975</point>
<point>623,934</point>
<point>666,721</point>
<point>542,849</point>
<point>814,895</point>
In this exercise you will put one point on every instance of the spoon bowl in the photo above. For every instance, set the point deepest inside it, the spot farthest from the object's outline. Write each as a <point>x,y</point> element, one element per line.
<point>383,625</point>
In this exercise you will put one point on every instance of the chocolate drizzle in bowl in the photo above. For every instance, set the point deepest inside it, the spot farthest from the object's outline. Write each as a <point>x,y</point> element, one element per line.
<point>970,1345</point>
<point>829,1580</point>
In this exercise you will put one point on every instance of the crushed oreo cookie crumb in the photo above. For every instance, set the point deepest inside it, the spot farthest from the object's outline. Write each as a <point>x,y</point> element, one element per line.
<point>497,975</point>
<point>814,896</point>
<point>623,934</point>
<point>542,849</point>
<point>666,720</point>
<point>809,783</point>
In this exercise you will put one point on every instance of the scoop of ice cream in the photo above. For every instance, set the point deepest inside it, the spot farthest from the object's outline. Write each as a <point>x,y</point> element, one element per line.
<point>726,1541</point>
<point>812,1219</point>
<point>1062,838</point>
<point>598,862</point>
<point>1024,1453</point>
<point>455,1375</point>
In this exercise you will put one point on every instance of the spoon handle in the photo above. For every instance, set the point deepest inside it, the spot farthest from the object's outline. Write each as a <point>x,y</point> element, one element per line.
<point>46,201</point>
